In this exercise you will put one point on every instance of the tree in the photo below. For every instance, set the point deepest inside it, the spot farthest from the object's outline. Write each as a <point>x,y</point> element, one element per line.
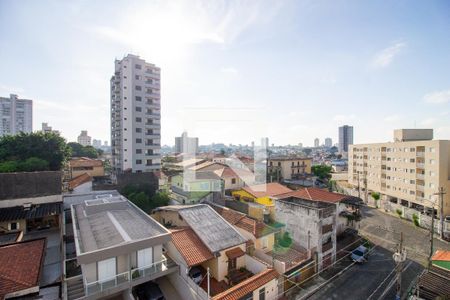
<point>34,164</point>
<point>79,150</point>
<point>376,197</point>
<point>49,147</point>
<point>321,171</point>
<point>307,151</point>
<point>9,166</point>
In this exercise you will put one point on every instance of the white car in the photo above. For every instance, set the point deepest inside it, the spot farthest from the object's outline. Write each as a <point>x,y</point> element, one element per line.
<point>359,255</point>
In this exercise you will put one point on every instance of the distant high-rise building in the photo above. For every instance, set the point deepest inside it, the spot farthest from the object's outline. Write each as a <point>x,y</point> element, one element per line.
<point>316,142</point>
<point>185,144</point>
<point>16,115</point>
<point>135,116</point>
<point>265,142</point>
<point>300,145</point>
<point>48,129</point>
<point>105,143</point>
<point>345,138</point>
<point>84,139</point>
<point>96,143</point>
<point>328,142</point>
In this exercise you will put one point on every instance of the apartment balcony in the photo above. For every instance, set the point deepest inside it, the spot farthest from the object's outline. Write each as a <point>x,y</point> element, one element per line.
<point>152,126</point>
<point>152,85</point>
<point>130,278</point>
<point>420,176</point>
<point>153,155</point>
<point>153,115</point>
<point>420,187</point>
<point>327,246</point>
<point>420,165</point>
<point>420,154</point>
<point>153,105</point>
<point>152,136</point>
<point>152,75</point>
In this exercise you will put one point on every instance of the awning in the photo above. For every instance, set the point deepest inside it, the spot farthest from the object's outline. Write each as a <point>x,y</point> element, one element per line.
<point>234,253</point>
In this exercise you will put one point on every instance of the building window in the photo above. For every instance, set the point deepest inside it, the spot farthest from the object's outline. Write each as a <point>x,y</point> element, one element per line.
<point>138,130</point>
<point>138,119</point>
<point>262,293</point>
<point>14,226</point>
<point>138,98</point>
<point>138,151</point>
<point>138,88</point>
<point>432,161</point>
<point>137,66</point>
<point>138,141</point>
<point>138,108</point>
<point>138,161</point>
<point>136,77</point>
<point>233,180</point>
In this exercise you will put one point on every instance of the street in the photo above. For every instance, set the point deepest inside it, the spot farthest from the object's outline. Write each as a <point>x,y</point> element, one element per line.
<point>367,281</point>
<point>384,230</point>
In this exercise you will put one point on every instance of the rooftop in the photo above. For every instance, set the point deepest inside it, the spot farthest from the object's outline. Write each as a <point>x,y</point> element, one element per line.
<point>190,246</point>
<point>249,285</point>
<point>30,211</point>
<point>216,233</point>
<point>267,189</point>
<point>241,220</point>
<point>441,255</point>
<point>20,266</point>
<point>79,180</point>
<point>105,220</point>
<point>315,194</point>
<point>85,162</point>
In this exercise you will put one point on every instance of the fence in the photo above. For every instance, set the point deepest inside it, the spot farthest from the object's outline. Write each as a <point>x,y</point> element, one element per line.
<point>30,184</point>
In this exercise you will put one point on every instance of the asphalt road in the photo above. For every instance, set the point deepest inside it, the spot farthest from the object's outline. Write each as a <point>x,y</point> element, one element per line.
<point>385,230</point>
<point>374,279</point>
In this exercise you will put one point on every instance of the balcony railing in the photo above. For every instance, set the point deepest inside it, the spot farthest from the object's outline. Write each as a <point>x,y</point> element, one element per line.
<point>149,270</point>
<point>101,285</point>
<point>420,165</point>
<point>420,176</point>
<point>420,187</point>
<point>420,154</point>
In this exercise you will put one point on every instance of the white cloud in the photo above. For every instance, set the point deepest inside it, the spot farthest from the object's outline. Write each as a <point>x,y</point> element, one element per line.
<point>428,122</point>
<point>386,56</point>
<point>229,70</point>
<point>439,97</point>
<point>392,118</point>
<point>344,118</point>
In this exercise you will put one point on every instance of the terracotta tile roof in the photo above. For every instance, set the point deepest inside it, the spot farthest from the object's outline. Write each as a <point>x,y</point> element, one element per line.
<point>269,189</point>
<point>79,180</point>
<point>249,285</point>
<point>316,194</point>
<point>190,246</point>
<point>234,253</point>
<point>441,255</point>
<point>255,227</point>
<point>20,265</point>
<point>85,162</point>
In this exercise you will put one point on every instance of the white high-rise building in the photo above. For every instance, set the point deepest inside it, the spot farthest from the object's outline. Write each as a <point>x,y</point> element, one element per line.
<point>84,139</point>
<point>135,116</point>
<point>328,142</point>
<point>185,144</point>
<point>16,115</point>
<point>316,142</point>
<point>97,143</point>
<point>345,138</point>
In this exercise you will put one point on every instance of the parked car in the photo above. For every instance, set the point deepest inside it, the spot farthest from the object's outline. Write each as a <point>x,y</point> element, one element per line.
<point>360,254</point>
<point>196,274</point>
<point>149,291</point>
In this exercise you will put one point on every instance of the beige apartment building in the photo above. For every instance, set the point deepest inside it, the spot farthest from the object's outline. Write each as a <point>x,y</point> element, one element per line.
<point>287,167</point>
<point>408,171</point>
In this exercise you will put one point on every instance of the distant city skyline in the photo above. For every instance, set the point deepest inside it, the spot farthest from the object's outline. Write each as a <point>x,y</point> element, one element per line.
<point>303,68</point>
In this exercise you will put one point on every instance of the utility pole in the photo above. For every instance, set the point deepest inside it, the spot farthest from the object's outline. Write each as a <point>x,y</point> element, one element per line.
<point>207,274</point>
<point>431,236</point>
<point>399,257</point>
<point>441,205</point>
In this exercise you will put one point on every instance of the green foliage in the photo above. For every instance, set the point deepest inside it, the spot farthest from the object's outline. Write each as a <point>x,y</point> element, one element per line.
<point>286,240</point>
<point>375,196</point>
<point>321,171</point>
<point>79,150</point>
<point>399,212</point>
<point>142,196</point>
<point>415,218</point>
<point>33,152</point>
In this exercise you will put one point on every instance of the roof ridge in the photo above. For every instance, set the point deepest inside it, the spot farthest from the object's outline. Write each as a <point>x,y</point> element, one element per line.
<point>307,191</point>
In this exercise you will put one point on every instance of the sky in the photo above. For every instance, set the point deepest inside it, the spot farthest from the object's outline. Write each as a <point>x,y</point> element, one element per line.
<point>236,71</point>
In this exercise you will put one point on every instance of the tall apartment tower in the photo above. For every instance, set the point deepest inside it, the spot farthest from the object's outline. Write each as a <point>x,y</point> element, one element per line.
<point>135,116</point>
<point>185,144</point>
<point>84,139</point>
<point>316,142</point>
<point>328,142</point>
<point>345,138</point>
<point>16,115</point>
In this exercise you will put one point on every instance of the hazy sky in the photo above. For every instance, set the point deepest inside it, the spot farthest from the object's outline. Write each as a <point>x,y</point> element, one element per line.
<point>236,70</point>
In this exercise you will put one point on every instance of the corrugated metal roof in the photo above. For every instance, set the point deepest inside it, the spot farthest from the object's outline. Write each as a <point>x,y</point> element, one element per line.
<point>33,212</point>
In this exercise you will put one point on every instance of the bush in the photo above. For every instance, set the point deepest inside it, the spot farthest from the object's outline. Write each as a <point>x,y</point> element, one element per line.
<point>415,218</point>
<point>34,164</point>
<point>399,212</point>
<point>9,166</point>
